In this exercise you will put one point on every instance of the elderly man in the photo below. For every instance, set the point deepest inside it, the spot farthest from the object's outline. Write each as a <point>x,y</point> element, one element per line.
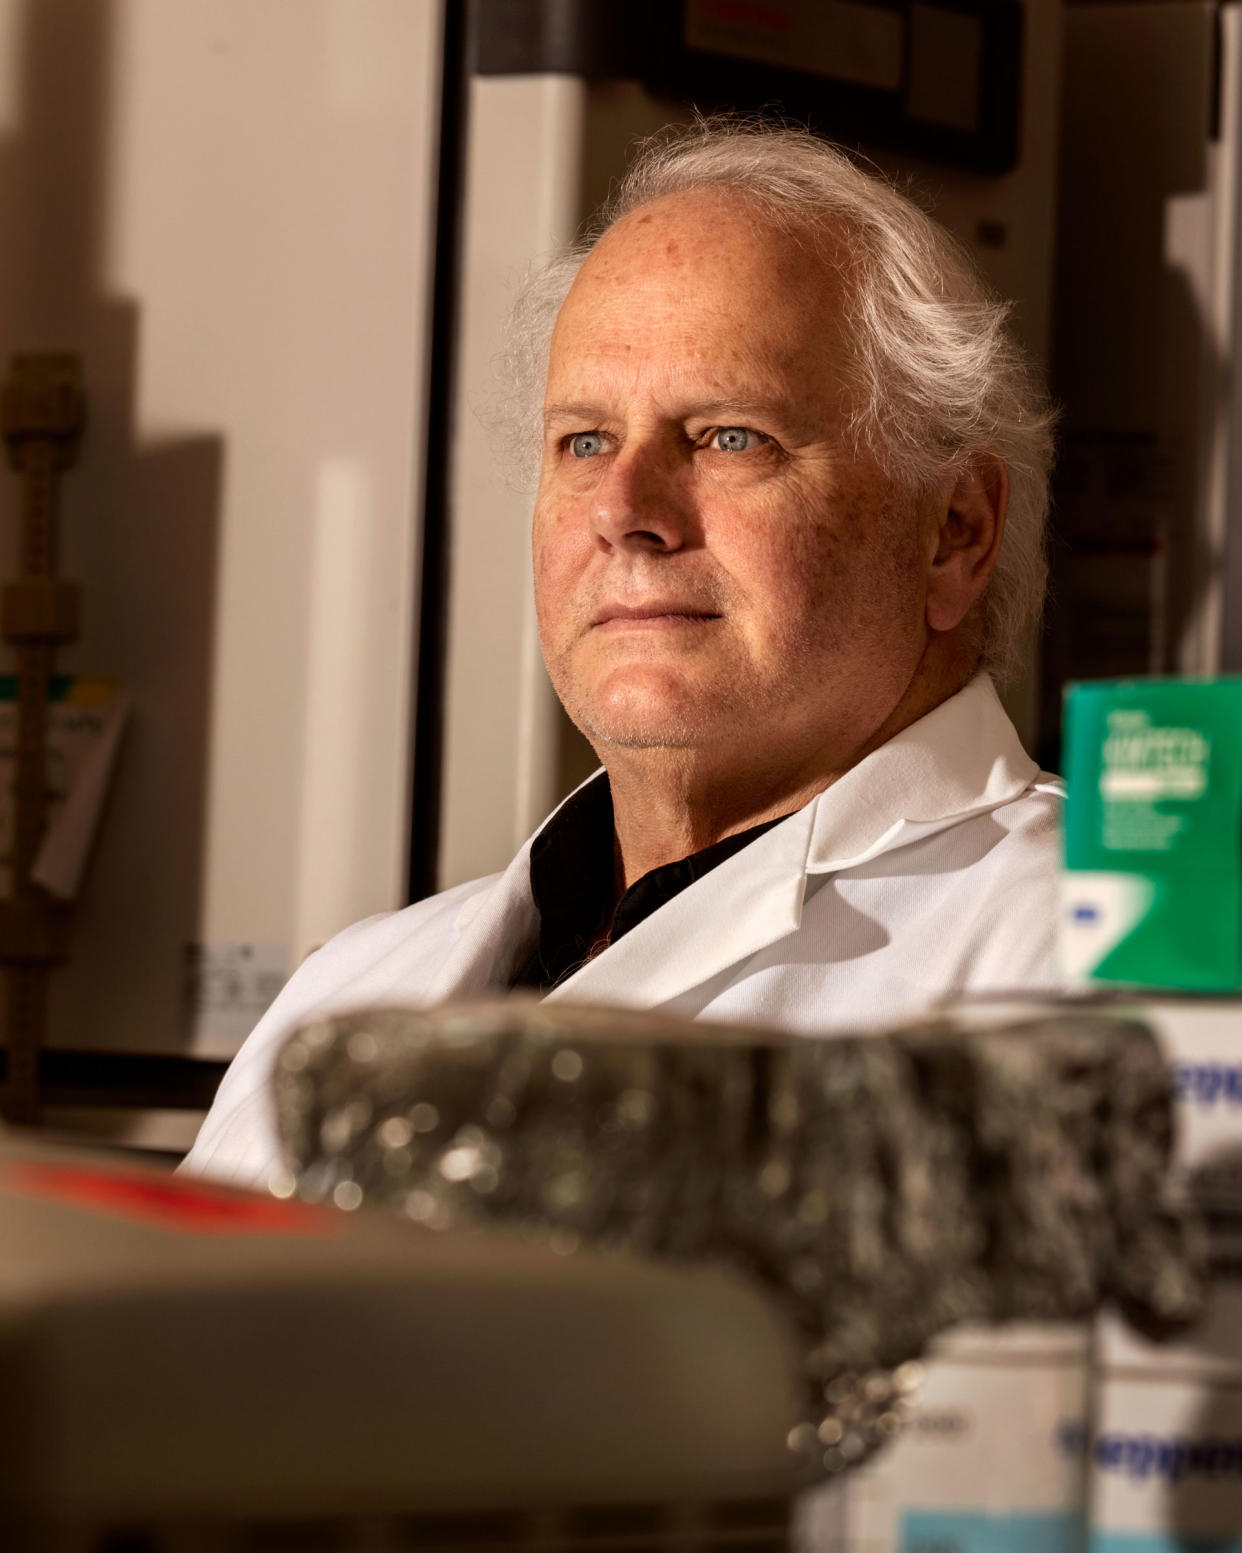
<point>789,523</point>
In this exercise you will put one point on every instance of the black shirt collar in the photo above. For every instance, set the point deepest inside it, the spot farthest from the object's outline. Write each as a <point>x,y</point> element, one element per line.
<point>573,881</point>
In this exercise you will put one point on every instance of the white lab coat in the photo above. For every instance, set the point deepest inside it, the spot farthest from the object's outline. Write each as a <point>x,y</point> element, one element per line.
<point>928,869</point>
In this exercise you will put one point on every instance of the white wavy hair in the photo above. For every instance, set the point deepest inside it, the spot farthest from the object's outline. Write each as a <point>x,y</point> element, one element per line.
<point>938,380</point>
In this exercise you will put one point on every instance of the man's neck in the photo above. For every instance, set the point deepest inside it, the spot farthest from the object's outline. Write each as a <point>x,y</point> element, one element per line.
<point>671,812</point>
<point>671,802</point>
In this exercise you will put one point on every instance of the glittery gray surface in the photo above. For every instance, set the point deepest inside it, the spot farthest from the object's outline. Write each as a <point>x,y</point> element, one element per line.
<point>881,1188</point>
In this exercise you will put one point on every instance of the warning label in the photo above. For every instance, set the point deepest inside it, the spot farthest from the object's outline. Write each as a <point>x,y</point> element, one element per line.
<point>226,989</point>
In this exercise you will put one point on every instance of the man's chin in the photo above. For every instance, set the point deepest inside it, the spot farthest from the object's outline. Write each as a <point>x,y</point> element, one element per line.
<point>645,709</point>
<point>637,738</point>
<point>646,727</point>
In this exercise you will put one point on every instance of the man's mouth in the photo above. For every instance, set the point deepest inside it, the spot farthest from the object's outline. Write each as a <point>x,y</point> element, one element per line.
<point>660,612</point>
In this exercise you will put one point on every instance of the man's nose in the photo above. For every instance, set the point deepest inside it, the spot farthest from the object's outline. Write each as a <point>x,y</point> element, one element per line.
<point>643,502</point>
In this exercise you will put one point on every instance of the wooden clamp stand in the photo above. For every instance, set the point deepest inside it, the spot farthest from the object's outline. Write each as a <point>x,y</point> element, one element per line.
<point>42,415</point>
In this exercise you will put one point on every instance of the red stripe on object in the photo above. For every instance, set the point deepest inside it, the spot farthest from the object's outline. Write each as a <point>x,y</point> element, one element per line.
<point>189,1206</point>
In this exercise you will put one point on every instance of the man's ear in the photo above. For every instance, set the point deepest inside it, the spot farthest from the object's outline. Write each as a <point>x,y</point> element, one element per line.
<point>967,541</point>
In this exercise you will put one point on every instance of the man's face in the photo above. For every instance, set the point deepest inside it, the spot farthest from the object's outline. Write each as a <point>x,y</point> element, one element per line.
<point>713,569</point>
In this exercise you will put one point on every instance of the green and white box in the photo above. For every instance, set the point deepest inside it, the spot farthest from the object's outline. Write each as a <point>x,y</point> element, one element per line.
<point>1152,886</point>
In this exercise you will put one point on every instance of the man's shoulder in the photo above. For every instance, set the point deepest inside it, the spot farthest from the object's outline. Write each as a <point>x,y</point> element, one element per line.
<point>374,940</point>
<point>973,906</point>
<point>1044,783</point>
<point>1018,841</point>
<point>448,909</point>
<point>1037,812</point>
<point>1044,792</point>
<point>390,957</point>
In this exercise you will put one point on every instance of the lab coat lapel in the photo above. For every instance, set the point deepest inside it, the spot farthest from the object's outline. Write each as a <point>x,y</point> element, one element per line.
<point>493,930</point>
<point>743,905</point>
<point>963,758</point>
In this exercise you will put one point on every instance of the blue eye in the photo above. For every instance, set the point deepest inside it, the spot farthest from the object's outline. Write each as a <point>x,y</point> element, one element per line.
<point>734,439</point>
<point>586,444</point>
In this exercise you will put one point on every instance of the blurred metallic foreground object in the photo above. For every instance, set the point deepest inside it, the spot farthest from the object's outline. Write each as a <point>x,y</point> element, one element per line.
<point>185,1369</point>
<point>881,1188</point>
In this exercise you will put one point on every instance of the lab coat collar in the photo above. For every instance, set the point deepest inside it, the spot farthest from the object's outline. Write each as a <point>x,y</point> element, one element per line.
<point>962,758</point>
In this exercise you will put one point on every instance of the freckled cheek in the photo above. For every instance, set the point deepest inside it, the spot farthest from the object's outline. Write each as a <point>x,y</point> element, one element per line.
<point>553,589</point>
<point>775,555</point>
<point>561,508</point>
<point>560,555</point>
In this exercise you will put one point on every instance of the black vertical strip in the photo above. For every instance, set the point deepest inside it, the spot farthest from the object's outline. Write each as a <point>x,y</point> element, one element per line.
<point>1218,67</point>
<point>432,633</point>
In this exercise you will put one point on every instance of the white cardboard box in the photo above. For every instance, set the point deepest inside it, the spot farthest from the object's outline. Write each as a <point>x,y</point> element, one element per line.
<point>992,1459</point>
<point>1166,1452</point>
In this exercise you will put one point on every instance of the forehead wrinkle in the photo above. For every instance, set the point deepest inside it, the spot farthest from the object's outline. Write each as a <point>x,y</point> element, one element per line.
<point>675,355</point>
<point>661,255</point>
<point>676,240</point>
<point>676,386</point>
<point>673,309</point>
